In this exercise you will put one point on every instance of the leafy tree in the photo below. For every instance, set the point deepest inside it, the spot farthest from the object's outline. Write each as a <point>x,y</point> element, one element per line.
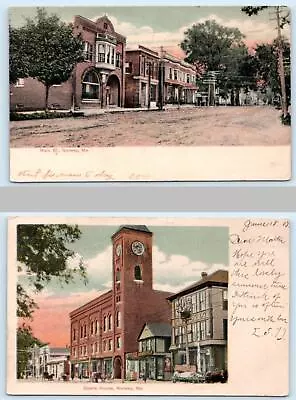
<point>267,64</point>
<point>24,342</point>
<point>51,48</point>
<point>43,253</point>
<point>208,44</point>
<point>251,10</point>
<point>18,60</point>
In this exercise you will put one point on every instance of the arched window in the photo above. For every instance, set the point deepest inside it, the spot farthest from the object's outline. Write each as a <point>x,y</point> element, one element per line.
<point>91,86</point>
<point>118,318</point>
<point>138,273</point>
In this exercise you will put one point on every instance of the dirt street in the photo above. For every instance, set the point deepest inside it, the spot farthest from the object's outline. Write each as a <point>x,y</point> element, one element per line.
<point>229,126</point>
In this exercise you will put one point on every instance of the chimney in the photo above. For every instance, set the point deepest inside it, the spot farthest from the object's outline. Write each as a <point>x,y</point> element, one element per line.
<point>204,275</point>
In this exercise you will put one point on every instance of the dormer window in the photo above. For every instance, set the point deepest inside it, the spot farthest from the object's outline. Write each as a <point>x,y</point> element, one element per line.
<point>138,273</point>
<point>105,25</point>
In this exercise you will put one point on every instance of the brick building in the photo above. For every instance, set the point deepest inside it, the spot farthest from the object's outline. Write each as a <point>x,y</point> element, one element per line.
<point>179,81</point>
<point>141,74</point>
<point>199,324</point>
<point>98,81</point>
<point>105,329</point>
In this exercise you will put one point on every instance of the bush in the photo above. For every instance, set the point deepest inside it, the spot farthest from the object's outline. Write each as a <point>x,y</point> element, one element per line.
<point>15,116</point>
<point>286,120</point>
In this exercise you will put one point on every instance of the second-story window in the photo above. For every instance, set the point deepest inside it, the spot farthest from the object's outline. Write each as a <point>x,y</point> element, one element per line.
<point>118,317</point>
<point>110,322</point>
<point>175,75</point>
<point>74,334</point>
<point>118,60</point>
<point>105,324</point>
<point>88,51</point>
<point>170,73</point>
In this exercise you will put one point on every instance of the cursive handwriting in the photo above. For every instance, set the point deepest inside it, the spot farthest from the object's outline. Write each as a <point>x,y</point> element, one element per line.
<point>258,278</point>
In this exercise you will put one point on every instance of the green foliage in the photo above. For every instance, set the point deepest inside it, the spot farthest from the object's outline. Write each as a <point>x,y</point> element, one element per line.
<point>43,254</point>
<point>51,50</point>
<point>18,59</point>
<point>15,116</point>
<point>209,44</point>
<point>250,10</point>
<point>266,59</point>
<point>24,342</point>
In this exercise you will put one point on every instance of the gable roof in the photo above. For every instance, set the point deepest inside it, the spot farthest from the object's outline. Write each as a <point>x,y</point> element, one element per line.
<point>157,329</point>
<point>219,278</point>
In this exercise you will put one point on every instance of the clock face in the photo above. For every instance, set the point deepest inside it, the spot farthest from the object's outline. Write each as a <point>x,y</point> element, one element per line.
<point>138,248</point>
<point>118,250</point>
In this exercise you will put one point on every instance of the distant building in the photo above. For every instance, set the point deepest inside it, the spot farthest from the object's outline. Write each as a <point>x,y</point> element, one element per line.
<point>43,358</point>
<point>179,81</point>
<point>199,324</point>
<point>105,329</point>
<point>141,72</point>
<point>96,82</point>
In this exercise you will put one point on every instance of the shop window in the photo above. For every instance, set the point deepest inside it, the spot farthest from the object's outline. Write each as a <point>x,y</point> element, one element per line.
<point>91,86</point>
<point>138,273</point>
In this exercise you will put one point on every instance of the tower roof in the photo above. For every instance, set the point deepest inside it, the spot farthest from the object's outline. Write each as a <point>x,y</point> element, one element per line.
<point>139,228</point>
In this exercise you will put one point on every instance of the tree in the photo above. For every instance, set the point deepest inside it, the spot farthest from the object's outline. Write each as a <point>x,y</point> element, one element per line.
<point>267,65</point>
<point>18,60</point>
<point>24,343</point>
<point>43,253</point>
<point>208,44</point>
<point>51,48</point>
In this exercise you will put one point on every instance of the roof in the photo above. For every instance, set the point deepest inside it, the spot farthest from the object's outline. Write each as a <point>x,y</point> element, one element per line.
<point>158,329</point>
<point>140,228</point>
<point>219,277</point>
<point>60,350</point>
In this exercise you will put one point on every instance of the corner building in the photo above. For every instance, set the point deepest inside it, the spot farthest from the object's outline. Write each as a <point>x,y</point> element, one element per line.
<point>97,82</point>
<point>105,329</point>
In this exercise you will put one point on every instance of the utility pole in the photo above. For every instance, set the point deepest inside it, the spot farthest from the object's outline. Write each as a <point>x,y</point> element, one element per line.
<point>149,84</point>
<point>281,67</point>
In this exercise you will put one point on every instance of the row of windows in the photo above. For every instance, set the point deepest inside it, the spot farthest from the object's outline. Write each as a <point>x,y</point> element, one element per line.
<point>200,301</point>
<point>107,345</point>
<point>104,53</point>
<point>177,75</point>
<point>94,327</point>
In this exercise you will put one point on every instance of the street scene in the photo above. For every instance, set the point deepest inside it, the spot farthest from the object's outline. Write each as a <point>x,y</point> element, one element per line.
<point>186,76</point>
<point>113,305</point>
<point>256,126</point>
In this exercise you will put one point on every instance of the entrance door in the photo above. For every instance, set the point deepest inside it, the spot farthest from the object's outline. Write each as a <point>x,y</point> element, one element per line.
<point>117,368</point>
<point>113,91</point>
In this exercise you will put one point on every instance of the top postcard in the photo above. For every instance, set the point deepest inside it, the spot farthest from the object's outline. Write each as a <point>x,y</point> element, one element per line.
<point>182,93</point>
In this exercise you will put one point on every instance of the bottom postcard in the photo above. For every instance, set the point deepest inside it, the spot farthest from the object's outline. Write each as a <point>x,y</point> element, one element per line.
<point>148,306</point>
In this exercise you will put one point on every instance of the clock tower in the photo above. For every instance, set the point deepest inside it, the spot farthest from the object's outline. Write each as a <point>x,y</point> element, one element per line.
<point>132,259</point>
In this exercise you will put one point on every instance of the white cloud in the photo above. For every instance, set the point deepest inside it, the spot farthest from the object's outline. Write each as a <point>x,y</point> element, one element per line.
<point>254,30</point>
